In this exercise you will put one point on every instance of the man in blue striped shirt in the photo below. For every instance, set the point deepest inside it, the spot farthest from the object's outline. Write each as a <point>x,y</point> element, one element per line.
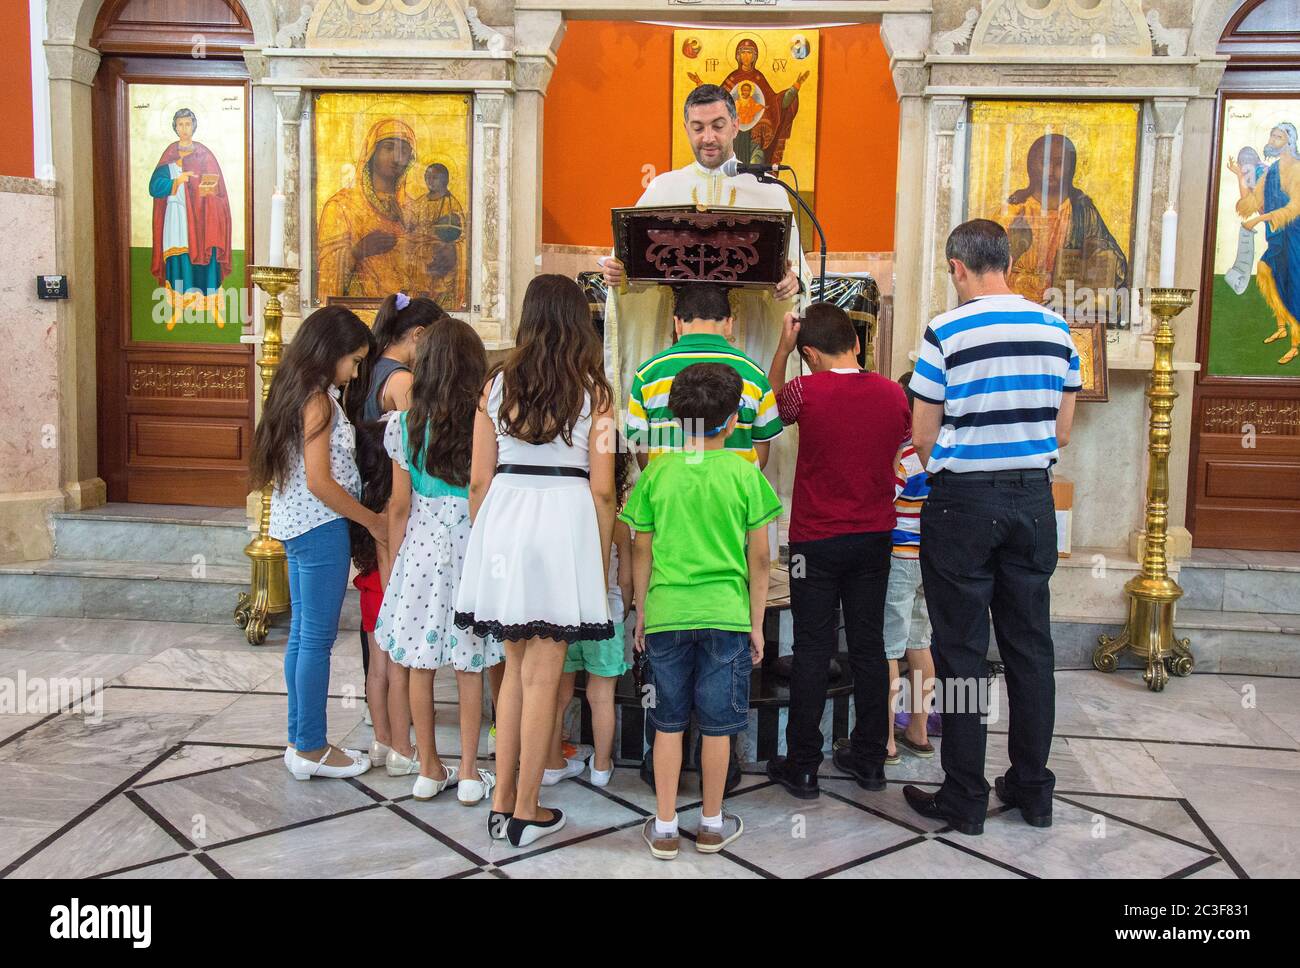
<point>994,402</point>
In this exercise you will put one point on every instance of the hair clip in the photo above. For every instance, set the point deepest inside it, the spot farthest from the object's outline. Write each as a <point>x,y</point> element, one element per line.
<point>403,300</point>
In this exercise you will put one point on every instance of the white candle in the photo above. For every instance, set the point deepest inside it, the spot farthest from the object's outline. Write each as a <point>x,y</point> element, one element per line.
<point>1168,235</point>
<point>275,250</point>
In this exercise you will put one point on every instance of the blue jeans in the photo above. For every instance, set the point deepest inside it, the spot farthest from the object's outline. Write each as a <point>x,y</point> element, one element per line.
<point>318,577</point>
<point>705,671</point>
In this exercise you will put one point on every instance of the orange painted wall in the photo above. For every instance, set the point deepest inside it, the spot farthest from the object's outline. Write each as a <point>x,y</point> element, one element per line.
<point>15,90</point>
<point>608,115</point>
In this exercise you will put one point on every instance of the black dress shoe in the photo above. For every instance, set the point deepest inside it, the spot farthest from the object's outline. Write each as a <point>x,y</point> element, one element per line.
<point>1006,795</point>
<point>925,804</point>
<point>869,776</point>
<point>797,782</point>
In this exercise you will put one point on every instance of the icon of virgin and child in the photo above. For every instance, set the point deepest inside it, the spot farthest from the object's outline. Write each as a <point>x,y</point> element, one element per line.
<point>377,237</point>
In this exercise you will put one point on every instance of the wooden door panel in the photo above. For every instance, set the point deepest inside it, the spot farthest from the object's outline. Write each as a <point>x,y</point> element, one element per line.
<point>160,440</point>
<point>175,413</point>
<point>1244,472</point>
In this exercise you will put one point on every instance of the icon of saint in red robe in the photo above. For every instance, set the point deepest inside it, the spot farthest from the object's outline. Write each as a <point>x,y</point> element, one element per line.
<point>191,224</point>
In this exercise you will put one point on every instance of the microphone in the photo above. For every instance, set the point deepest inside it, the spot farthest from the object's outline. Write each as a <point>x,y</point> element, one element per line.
<point>731,168</point>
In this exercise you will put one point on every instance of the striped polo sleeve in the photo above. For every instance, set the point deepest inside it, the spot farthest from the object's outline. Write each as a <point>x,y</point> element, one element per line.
<point>930,375</point>
<point>638,423</point>
<point>767,420</point>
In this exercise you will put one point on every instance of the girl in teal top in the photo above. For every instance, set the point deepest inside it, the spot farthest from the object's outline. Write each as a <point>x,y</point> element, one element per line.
<point>429,525</point>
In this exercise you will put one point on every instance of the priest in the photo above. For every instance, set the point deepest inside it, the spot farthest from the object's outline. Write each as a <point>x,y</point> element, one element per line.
<point>639,318</point>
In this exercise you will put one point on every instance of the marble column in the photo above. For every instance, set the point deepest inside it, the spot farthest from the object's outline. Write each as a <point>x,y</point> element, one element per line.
<point>906,38</point>
<point>72,72</point>
<point>943,189</point>
<point>537,39</point>
<point>492,210</point>
<point>289,104</point>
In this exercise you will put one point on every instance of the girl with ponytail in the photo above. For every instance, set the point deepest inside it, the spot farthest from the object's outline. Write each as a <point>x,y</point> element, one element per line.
<point>399,324</point>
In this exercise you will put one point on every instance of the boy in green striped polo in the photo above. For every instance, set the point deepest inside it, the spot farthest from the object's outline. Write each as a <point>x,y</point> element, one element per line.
<point>702,320</point>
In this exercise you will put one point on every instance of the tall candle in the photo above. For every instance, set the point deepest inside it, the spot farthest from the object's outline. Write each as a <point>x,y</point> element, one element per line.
<point>275,251</point>
<point>1168,235</point>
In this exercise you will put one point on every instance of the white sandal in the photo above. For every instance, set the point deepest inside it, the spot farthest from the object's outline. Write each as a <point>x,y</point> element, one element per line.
<point>426,788</point>
<point>305,769</point>
<point>470,791</point>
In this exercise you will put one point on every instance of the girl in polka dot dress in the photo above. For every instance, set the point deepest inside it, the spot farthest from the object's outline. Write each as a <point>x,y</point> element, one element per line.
<point>428,514</point>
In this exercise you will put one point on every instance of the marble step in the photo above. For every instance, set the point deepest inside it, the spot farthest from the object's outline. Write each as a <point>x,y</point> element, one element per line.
<point>104,534</point>
<point>160,591</point>
<point>1268,583</point>
<point>1250,643</point>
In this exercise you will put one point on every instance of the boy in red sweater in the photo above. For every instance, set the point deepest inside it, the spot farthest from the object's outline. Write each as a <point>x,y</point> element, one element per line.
<point>851,424</point>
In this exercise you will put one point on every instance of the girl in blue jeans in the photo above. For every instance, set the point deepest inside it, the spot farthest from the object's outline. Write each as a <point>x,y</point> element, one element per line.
<point>306,446</point>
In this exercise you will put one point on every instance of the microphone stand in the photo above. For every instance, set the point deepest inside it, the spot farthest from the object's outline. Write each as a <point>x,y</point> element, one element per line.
<point>773,180</point>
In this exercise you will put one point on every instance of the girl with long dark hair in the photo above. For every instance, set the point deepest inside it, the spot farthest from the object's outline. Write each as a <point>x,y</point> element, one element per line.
<point>541,495</point>
<point>428,520</point>
<point>399,325</point>
<point>306,447</point>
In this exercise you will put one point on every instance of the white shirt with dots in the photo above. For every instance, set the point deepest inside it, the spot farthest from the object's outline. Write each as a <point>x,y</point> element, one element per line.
<point>295,510</point>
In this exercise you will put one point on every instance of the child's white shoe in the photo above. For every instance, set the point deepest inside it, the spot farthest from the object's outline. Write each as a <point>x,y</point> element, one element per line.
<point>571,768</point>
<point>366,717</point>
<point>426,788</point>
<point>398,765</point>
<point>378,754</point>
<point>471,790</point>
<point>304,769</point>
<point>289,753</point>
<point>601,778</point>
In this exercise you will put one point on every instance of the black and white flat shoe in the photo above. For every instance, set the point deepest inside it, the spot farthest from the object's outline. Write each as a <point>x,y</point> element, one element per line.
<point>521,833</point>
<point>497,821</point>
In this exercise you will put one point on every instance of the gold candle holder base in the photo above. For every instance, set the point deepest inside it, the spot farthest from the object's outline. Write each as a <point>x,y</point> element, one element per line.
<point>1149,631</point>
<point>268,592</point>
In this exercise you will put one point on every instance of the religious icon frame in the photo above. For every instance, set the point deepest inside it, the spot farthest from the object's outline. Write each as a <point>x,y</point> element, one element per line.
<point>366,307</point>
<point>142,316</point>
<point>1090,342</point>
<point>1107,137</point>
<point>455,150</point>
<point>656,227</point>
<point>1232,325</point>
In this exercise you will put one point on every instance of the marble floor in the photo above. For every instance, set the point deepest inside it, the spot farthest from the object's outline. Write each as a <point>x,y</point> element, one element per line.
<point>151,749</point>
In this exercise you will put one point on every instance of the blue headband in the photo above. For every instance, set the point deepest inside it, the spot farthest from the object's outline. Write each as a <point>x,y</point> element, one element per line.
<point>403,300</point>
<point>716,430</point>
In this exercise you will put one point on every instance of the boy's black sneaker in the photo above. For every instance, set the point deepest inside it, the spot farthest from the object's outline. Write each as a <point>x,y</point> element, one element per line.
<point>869,776</point>
<point>798,783</point>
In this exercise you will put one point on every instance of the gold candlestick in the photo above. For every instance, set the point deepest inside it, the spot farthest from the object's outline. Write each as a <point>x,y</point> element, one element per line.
<point>268,592</point>
<point>1149,633</point>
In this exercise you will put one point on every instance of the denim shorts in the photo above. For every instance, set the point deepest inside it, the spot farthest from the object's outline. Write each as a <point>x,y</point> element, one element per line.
<point>705,671</point>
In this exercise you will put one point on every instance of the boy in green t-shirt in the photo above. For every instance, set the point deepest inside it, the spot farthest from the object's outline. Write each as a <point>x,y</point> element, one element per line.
<point>700,569</point>
<point>702,321</point>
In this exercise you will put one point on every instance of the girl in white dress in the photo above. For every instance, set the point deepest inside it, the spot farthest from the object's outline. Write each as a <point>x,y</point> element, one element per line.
<point>542,502</point>
<point>428,517</point>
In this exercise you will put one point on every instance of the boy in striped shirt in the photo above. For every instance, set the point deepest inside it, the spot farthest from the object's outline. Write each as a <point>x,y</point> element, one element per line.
<point>907,621</point>
<point>703,323</point>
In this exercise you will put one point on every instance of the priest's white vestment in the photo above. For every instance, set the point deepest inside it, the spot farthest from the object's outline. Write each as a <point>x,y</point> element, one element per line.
<point>639,318</point>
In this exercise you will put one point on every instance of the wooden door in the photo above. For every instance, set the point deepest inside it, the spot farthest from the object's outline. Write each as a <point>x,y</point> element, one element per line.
<point>1244,487</point>
<point>175,381</point>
